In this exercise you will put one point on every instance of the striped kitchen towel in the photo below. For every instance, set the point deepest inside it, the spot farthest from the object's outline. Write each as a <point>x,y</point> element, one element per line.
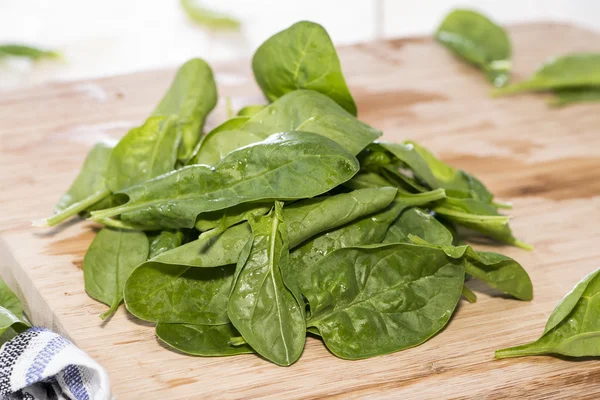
<point>39,364</point>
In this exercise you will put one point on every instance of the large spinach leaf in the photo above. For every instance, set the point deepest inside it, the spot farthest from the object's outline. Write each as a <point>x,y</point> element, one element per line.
<point>212,151</point>
<point>285,166</point>
<point>190,98</point>
<point>573,329</point>
<point>202,340</point>
<point>474,38</point>
<point>108,262</point>
<point>261,307</point>
<point>580,70</point>
<point>374,300</point>
<point>310,111</point>
<point>301,57</point>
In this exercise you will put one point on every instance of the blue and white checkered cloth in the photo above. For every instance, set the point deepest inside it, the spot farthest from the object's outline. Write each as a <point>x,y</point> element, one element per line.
<point>39,364</point>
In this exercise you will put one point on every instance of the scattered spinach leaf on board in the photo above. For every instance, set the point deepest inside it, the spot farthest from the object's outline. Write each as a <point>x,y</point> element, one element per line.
<point>573,329</point>
<point>301,57</point>
<point>208,18</point>
<point>33,53</point>
<point>108,262</point>
<point>479,41</point>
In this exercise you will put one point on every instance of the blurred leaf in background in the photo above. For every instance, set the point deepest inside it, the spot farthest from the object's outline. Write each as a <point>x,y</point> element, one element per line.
<point>207,18</point>
<point>33,53</point>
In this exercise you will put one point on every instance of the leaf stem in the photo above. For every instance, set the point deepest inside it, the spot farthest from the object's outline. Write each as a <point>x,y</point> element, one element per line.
<point>529,349</point>
<point>523,245</point>
<point>73,209</point>
<point>469,295</point>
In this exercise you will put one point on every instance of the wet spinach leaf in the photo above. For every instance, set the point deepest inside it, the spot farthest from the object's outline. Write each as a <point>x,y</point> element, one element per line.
<point>190,98</point>
<point>276,168</point>
<point>573,329</point>
<point>310,111</point>
<point>301,57</point>
<point>402,295</point>
<point>108,262</point>
<point>580,70</point>
<point>479,41</point>
<point>261,307</point>
<point>164,241</point>
<point>202,340</point>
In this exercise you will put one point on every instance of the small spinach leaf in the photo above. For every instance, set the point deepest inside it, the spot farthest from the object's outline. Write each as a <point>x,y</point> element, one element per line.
<point>301,57</point>
<point>108,262</point>
<point>33,53</point>
<point>191,97</point>
<point>202,340</point>
<point>402,295</point>
<point>573,329</point>
<point>261,306</point>
<point>276,168</point>
<point>310,111</point>
<point>474,38</point>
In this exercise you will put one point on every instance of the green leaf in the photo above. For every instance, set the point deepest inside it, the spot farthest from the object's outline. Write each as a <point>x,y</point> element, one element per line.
<point>143,153</point>
<point>164,241</point>
<point>301,57</point>
<point>251,110</point>
<point>9,300</point>
<point>208,18</point>
<point>276,168</point>
<point>367,180</point>
<point>310,111</point>
<point>579,70</point>
<point>498,271</point>
<point>573,329</point>
<point>232,124</point>
<point>567,96</point>
<point>408,155</point>
<point>374,300</point>
<point>216,145</point>
<point>108,262</point>
<point>202,340</point>
<point>175,294</point>
<point>33,53</point>
<point>221,220</point>
<point>261,307</point>
<point>479,41</point>
<point>190,98</point>
<point>11,314</point>
<point>419,223</point>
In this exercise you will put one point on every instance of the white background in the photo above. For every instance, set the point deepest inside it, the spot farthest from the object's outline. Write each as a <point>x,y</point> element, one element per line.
<point>107,37</point>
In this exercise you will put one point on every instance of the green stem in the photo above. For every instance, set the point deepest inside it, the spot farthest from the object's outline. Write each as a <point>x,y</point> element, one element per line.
<point>523,245</point>
<point>73,209</point>
<point>499,204</point>
<point>113,308</point>
<point>469,295</point>
<point>529,349</point>
<point>424,198</point>
<point>115,223</point>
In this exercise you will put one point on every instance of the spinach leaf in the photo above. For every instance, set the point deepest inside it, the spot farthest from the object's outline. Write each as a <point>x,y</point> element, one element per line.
<point>301,57</point>
<point>365,180</point>
<point>108,262</point>
<point>11,314</point>
<point>164,241</point>
<point>408,155</point>
<point>579,70</point>
<point>221,220</point>
<point>249,111</point>
<point>276,168</point>
<point>261,307</point>
<point>33,53</point>
<point>216,145</point>
<point>232,124</point>
<point>573,329</point>
<point>143,153</point>
<point>88,188</point>
<point>310,111</point>
<point>177,294</point>
<point>191,97</point>
<point>208,18</point>
<point>370,229</point>
<point>498,271</point>
<point>307,217</point>
<point>400,293</point>
<point>479,41</point>
<point>419,223</point>
<point>576,95</point>
<point>202,340</point>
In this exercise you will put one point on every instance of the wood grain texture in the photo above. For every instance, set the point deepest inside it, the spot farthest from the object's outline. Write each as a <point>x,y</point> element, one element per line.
<point>546,161</point>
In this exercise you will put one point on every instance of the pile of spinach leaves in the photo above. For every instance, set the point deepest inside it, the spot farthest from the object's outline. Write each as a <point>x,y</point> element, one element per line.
<point>479,41</point>
<point>290,218</point>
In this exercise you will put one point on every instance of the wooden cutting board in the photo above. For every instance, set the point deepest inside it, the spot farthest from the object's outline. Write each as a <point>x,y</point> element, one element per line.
<point>546,161</point>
